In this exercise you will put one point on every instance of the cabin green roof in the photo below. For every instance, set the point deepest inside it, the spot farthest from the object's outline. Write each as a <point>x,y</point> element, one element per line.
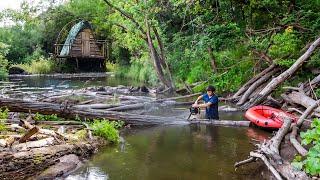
<point>74,31</point>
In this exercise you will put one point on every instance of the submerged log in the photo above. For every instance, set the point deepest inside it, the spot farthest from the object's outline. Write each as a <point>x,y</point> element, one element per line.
<point>270,150</point>
<point>221,122</point>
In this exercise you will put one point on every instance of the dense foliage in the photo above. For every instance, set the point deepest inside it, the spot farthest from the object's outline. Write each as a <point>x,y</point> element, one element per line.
<point>217,41</point>
<point>311,163</point>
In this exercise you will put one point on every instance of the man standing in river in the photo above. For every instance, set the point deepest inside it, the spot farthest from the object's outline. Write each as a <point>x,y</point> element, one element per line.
<point>210,103</point>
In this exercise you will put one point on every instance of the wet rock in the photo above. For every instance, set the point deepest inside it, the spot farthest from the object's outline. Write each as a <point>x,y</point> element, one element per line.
<point>66,164</point>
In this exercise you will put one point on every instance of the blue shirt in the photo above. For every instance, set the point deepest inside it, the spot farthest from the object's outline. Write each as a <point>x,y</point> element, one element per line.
<point>212,110</point>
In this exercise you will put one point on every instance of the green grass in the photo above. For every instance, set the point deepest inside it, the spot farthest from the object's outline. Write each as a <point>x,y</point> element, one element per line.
<point>38,66</point>
<point>112,67</point>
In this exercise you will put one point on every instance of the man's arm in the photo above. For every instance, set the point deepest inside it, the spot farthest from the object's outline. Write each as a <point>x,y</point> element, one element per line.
<point>204,105</point>
<point>198,99</point>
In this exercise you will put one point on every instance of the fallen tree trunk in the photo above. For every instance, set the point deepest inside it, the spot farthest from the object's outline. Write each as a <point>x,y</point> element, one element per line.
<point>270,150</point>
<point>252,80</point>
<point>282,77</point>
<point>18,105</point>
<point>255,85</point>
<point>267,163</point>
<point>304,100</point>
<point>308,86</point>
<point>307,112</point>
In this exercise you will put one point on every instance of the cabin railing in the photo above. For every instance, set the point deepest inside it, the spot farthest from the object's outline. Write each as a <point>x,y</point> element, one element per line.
<point>102,45</point>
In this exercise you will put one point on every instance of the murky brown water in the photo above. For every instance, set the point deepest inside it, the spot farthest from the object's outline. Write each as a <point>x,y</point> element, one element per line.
<point>160,153</point>
<point>175,152</point>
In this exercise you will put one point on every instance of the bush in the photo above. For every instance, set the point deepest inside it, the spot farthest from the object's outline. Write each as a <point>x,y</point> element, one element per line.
<point>285,47</point>
<point>140,70</point>
<point>3,61</point>
<point>51,117</point>
<point>39,66</point>
<point>310,163</point>
<point>112,67</point>
<point>107,129</point>
<point>4,112</point>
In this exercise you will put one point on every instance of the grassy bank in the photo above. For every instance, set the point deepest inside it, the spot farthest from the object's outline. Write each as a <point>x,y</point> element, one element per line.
<point>38,66</point>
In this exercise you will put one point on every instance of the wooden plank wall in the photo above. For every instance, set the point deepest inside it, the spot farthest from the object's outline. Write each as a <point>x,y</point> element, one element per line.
<point>76,48</point>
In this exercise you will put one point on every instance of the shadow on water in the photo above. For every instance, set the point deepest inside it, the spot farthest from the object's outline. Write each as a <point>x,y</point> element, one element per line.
<point>175,152</point>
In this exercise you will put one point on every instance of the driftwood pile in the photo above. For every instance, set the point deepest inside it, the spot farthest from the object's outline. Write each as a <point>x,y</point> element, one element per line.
<point>28,149</point>
<point>301,100</point>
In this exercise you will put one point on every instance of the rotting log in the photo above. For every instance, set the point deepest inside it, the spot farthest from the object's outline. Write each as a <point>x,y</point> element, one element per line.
<point>34,144</point>
<point>48,132</point>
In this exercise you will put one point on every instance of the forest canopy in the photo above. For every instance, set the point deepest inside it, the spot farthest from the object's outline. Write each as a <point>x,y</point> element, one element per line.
<point>224,42</point>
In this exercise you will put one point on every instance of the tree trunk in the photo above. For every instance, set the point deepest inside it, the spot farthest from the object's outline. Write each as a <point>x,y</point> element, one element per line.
<point>304,100</point>
<point>212,60</point>
<point>283,76</point>
<point>158,59</point>
<point>313,84</point>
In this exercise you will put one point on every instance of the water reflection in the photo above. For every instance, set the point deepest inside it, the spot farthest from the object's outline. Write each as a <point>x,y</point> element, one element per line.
<point>175,152</point>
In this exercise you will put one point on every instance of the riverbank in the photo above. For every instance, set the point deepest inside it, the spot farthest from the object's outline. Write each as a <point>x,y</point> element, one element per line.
<point>46,162</point>
<point>43,149</point>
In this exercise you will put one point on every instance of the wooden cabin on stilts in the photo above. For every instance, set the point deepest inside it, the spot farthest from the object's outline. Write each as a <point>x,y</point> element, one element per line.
<point>81,52</point>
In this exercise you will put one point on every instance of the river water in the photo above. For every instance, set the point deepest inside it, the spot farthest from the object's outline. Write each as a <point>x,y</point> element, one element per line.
<point>164,152</point>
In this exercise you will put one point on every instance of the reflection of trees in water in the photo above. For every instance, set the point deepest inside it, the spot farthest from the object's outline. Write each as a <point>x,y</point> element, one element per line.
<point>208,134</point>
<point>183,152</point>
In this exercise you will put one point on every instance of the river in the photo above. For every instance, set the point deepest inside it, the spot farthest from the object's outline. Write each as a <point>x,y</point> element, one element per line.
<point>156,153</point>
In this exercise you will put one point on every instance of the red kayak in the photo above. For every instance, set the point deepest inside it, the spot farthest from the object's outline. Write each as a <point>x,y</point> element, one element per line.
<point>267,117</point>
